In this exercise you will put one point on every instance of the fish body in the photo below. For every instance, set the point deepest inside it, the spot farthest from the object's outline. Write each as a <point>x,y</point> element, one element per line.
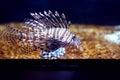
<point>50,30</point>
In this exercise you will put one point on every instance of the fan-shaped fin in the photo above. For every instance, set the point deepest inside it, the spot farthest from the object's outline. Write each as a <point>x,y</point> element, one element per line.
<point>51,20</point>
<point>30,25</point>
<point>11,35</point>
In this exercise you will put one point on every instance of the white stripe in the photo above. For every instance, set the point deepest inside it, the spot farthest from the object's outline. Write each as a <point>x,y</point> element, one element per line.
<point>27,22</point>
<point>52,32</point>
<point>40,24</point>
<point>70,37</point>
<point>45,33</point>
<point>57,33</point>
<point>66,36</point>
<point>65,32</point>
<point>49,32</point>
<point>60,32</point>
<point>71,43</point>
<point>33,24</point>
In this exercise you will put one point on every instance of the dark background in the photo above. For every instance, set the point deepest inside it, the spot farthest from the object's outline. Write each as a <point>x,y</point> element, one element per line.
<point>100,12</point>
<point>78,75</point>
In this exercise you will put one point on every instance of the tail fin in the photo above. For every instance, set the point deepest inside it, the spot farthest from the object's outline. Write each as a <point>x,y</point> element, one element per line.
<point>10,35</point>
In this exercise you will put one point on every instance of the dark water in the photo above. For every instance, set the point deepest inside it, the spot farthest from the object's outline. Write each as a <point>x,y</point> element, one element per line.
<point>101,12</point>
<point>58,75</point>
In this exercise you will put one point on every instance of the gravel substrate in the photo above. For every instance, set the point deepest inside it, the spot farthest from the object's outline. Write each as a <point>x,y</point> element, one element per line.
<point>94,45</point>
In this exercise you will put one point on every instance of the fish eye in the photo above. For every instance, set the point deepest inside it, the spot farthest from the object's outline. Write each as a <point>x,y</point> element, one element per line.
<point>74,36</point>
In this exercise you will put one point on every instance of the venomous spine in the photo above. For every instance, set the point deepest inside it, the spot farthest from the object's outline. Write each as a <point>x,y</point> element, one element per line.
<point>47,29</point>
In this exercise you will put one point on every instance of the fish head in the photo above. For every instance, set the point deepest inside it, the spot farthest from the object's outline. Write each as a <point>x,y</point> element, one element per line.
<point>75,41</point>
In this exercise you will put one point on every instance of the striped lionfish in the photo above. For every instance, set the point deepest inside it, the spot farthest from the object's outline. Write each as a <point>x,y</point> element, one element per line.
<point>50,30</point>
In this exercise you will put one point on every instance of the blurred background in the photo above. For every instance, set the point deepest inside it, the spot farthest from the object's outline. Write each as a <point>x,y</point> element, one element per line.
<point>99,12</point>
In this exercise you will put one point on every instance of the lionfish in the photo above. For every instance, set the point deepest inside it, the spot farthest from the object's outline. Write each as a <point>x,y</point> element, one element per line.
<point>49,30</point>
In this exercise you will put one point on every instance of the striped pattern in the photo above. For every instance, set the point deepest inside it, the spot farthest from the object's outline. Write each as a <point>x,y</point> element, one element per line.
<point>48,29</point>
<point>11,35</point>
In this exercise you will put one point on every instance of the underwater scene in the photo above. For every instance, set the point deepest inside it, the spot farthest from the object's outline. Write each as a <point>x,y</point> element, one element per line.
<point>44,29</point>
<point>97,42</point>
